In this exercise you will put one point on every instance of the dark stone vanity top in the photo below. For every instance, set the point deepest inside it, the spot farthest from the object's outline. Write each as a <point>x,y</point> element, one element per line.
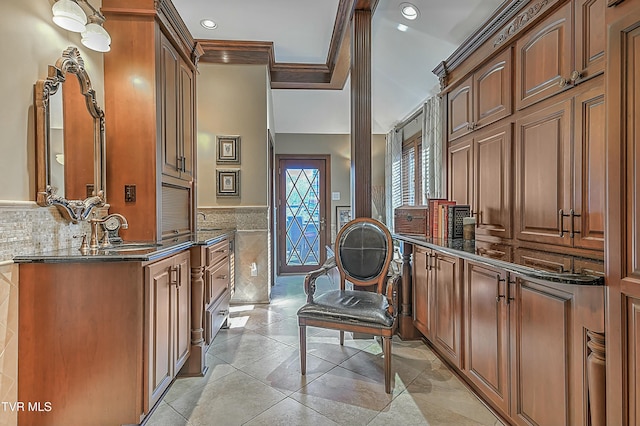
<point>517,259</point>
<point>141,251</point>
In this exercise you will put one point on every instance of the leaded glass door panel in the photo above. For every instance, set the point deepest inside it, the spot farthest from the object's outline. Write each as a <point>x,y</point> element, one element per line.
<point>302,215</point>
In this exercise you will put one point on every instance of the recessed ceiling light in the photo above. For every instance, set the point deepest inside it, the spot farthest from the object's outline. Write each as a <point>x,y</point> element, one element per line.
<point>402,27</point>
<point>208,24</point>
<point>409,11</point>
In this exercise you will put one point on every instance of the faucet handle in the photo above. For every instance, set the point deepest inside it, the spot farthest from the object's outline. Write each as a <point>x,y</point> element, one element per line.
<point>84,247</point>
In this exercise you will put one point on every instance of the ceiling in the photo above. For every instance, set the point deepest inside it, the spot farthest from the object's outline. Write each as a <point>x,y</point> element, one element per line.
<point>301,32</point>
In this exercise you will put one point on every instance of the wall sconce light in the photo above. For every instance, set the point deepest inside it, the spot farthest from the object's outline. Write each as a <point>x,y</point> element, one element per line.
<point>69,15</point>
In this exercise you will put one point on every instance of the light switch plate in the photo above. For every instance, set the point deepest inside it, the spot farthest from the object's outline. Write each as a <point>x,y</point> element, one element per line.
<point>335,196</point>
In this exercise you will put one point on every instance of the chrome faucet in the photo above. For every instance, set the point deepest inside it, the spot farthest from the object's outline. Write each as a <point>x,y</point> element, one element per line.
<point>93,243</point>
<point>204,216</point>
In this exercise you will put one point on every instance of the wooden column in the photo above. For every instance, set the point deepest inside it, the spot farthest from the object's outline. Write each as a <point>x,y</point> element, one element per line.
<point>361,112</point>
<point>196,365</point>
<point>596,378</point>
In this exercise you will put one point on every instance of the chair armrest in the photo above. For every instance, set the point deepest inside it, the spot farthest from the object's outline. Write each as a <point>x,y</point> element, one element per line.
<point>392,293</point>
<point>311,277</point>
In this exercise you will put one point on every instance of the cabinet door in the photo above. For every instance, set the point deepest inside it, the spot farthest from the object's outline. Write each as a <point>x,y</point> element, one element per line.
<point>492,91</point>
<point>169,120</point>
<point>187,121</point>
<point>544,57</point>
<point>539,338</point>
<point>461,172</point>
<point>460,109</point>
<point>590,40</point>
<point>543,175</point>
<point>182,311</point>
<point>447,306</point>
<point>160,278</point>
<point>590,170</point>
<point>487,332</point>
<point>493,177</point>
<point>421,290</point>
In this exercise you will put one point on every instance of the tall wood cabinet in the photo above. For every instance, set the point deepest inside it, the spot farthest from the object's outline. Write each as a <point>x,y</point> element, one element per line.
<point>150,105</point>
<point>623,215</point>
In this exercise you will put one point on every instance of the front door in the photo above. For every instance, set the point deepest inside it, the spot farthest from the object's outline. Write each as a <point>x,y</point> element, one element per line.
<point>302,212</point>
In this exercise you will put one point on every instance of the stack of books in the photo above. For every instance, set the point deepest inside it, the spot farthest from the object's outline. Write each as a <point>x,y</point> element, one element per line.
<point>445,218</point>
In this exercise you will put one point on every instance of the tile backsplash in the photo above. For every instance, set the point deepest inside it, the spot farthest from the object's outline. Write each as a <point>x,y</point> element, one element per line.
<point>27,228</point>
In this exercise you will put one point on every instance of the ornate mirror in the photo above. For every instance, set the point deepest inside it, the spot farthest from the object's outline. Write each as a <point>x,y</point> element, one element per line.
<point>70,140</point>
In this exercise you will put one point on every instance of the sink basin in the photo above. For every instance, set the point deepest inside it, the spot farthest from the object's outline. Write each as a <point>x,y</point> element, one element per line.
<point>130,247</point>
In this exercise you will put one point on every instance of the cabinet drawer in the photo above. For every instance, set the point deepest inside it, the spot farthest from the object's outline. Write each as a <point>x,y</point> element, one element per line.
<point>214,318</point>
<point>217,252</point>
<point>217,282</point>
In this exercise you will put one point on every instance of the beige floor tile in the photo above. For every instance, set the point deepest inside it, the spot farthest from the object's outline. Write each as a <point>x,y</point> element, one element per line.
<point>288,413</point>
<point>344,396</point>
<point>232,400</point>
<point>282,370</point>
<point>245,349</point>
<point>216,368</point>
<point>165,415</point>
<point>285,331</point>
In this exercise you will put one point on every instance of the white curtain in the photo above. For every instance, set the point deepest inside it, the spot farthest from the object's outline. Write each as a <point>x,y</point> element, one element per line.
<point>432,150</point>
<point>393,175</point>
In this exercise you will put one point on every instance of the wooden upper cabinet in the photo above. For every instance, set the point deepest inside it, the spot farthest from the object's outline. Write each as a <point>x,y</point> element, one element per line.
<point>544,58</point>
<point>460,109</point>
<point>461,172</point>
<point>483,98</point>
<point>590,40</point>
<point>168,91</point>
<point>565,49</point>
<point>492,181</point>
<point>589,170</point>
<point>176,89</point>
<point>543,174</point>
<point>492,91</point>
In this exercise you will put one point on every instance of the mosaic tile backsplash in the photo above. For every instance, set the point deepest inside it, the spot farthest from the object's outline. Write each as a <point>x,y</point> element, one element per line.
<point>26,228</point>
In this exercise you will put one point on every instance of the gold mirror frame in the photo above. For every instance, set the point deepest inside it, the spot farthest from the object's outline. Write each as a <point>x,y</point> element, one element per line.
<point>73,210</point>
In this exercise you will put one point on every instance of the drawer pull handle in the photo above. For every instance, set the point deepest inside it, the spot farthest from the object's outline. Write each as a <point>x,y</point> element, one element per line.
<point>220,251</point>
<point>222,277</point>
<point>223,312</point>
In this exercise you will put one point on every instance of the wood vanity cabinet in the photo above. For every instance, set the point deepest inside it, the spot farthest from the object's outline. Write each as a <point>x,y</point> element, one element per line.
<point>168,322</point>
<point>545,63</point>
<point>482,99</point>
<point>101,341</point>
<point>150,93</point>
<point>219,287</point>
<point>437,298</point>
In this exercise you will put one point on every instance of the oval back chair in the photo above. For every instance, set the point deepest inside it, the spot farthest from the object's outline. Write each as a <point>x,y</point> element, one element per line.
<point>363,253</point>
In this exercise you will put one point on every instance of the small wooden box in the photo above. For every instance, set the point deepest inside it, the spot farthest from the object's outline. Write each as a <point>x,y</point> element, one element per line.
<point>411,220</point>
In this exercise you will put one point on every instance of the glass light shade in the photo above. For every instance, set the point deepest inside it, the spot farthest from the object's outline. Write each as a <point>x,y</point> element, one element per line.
<point>96,38</point>
<point>69,15</point>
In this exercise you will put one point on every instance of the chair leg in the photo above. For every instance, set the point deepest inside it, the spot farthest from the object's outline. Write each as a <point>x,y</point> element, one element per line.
<point>386,350</point>
<point>341,338</point>
<point>303,349</point>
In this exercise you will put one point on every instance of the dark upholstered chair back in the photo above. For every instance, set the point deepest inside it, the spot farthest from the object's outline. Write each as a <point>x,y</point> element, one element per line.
<point>364,251</point>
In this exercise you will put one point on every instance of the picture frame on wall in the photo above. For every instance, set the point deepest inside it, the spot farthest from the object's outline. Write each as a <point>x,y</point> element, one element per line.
<point>228,150</point>
<point>228,183</point>
<point>343,215</point>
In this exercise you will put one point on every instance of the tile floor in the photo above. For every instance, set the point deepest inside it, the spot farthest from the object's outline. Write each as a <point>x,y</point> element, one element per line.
<point>254,377</point>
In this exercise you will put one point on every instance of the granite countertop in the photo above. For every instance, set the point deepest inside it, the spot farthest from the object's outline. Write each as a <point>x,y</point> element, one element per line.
<point>467,250</point>
<point>141,251</point>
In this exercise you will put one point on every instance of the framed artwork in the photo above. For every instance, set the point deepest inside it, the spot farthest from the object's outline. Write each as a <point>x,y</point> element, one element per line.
<point>343,215</point>
<point>228,183</point>
<point>228,151</point>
